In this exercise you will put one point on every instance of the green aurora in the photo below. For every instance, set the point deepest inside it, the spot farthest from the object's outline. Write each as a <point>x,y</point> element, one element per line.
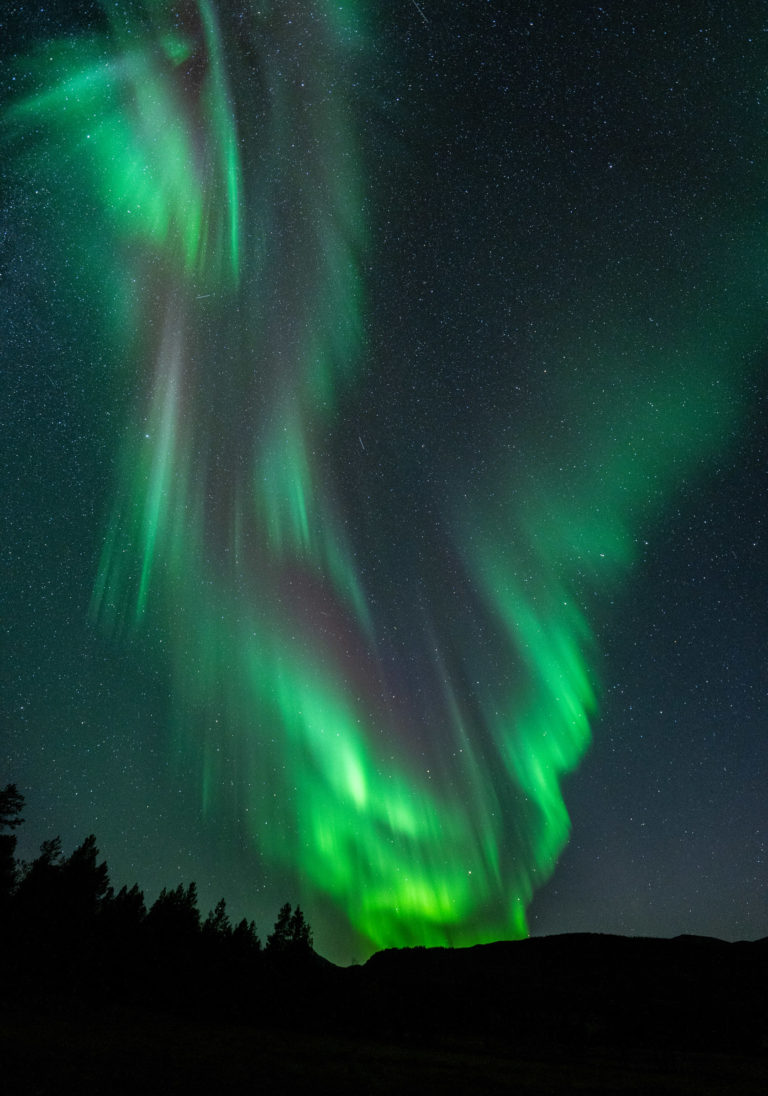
<point>224,163</point>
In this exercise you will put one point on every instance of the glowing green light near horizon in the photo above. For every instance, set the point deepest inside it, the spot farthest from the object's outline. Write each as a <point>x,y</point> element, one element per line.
<point>239,213</point>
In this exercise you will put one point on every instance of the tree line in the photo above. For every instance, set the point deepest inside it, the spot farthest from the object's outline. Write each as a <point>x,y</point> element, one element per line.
<point>65,930</point>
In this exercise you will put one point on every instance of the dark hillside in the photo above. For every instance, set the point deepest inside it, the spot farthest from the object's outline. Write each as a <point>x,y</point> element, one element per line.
<point>688,993</point>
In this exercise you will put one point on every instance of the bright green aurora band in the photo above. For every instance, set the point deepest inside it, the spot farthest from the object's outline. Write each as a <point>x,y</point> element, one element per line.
<point>221,152</point>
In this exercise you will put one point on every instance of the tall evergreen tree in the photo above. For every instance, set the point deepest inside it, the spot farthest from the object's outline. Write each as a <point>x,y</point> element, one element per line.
<point>217,924</point>
<point>11,806</point>
<point>85,882</point>
<point>299,932</point>
<point>279,939</point>
<point>291,936</point>
<point>245,940</point>
<point>39,888</point>
<point>174,916</point>
<point>122,914</point>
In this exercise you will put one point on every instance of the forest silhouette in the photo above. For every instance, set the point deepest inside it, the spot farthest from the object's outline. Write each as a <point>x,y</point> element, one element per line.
<point>65,930</point>
<point>99,991</point>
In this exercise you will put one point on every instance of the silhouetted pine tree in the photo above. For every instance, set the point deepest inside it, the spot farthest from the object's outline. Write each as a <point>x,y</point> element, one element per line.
<point>217,926</point>
<point>279,939</point>
<point>172,946</point>
<point>291,937</point>
<point>11,806</point>
<point>299,933</point>
<point>84,885</point>
<point>122,914</point>
<point>245,942</point>
<point>39,890</point>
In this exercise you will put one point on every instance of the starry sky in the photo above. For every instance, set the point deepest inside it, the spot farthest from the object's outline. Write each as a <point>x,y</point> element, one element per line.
<point>383,406</point>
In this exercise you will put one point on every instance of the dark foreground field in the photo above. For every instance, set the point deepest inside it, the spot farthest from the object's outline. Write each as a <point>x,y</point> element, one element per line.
<point>154,1054</point>
<point>582,1014</point>
<point>129,1053</point>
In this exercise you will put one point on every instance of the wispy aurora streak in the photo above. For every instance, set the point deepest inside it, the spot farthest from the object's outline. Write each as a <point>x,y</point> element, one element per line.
<point>221,149</point>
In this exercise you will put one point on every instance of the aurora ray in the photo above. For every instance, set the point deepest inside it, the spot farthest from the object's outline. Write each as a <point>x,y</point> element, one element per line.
<point>222,152</point>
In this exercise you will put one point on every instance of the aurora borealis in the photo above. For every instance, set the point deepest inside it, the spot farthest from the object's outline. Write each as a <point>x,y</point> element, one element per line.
<point>401,346</point>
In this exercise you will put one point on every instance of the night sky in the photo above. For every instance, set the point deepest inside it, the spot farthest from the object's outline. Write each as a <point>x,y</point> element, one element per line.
<point>383,407</point>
